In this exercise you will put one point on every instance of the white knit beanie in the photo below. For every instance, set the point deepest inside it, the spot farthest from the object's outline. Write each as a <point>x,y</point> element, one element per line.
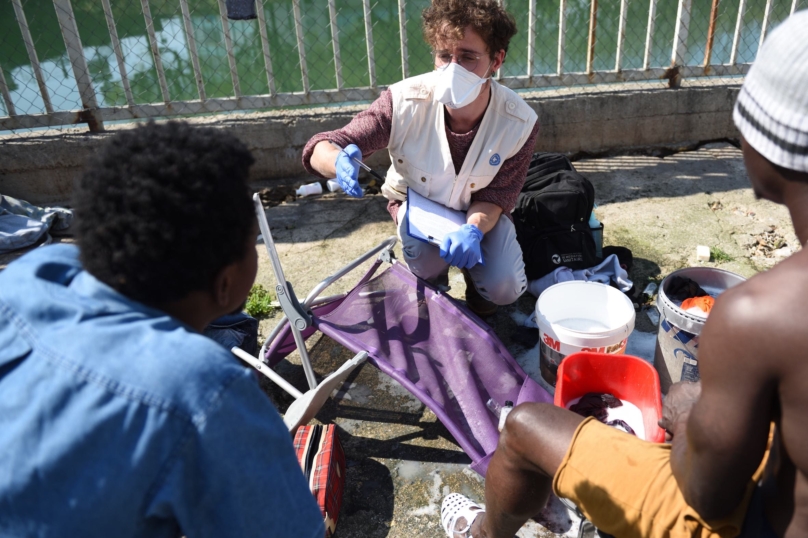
<point>772,107</point>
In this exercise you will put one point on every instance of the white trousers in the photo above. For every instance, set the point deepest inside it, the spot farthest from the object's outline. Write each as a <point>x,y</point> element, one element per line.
<point>501,280</point>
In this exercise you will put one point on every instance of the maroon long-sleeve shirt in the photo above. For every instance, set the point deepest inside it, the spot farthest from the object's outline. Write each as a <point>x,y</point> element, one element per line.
<point>370,131</point>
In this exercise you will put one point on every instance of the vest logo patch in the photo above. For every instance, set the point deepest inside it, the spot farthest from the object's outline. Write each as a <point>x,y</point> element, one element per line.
<point>494,160</point>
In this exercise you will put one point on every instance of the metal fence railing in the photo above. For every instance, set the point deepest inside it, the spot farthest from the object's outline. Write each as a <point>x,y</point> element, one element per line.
<point>67,62</point>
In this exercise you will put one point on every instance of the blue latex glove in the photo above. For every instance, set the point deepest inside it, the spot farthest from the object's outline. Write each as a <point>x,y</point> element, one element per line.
<point>462,248</point>
<point>348,170</point>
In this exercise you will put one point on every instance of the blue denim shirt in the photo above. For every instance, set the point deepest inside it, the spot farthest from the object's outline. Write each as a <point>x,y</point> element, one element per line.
<point>118,420</point>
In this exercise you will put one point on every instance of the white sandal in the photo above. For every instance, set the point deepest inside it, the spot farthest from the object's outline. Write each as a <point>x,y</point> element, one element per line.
<point>454,507</point>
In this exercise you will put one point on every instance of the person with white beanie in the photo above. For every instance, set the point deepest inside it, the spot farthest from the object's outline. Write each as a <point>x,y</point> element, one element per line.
<point>737,460</point>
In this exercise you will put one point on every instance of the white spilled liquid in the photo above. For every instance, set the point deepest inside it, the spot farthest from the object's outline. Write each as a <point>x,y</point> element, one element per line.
<point>628,413</point>
<point>583,325</point>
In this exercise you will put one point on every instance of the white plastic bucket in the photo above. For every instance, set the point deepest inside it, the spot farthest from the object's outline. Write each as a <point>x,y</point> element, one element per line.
<point>676,357</point>
<point>581,316</point>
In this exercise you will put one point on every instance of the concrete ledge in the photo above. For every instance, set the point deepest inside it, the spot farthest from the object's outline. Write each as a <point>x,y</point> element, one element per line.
<point>614,121</point>
<point>40,167</point>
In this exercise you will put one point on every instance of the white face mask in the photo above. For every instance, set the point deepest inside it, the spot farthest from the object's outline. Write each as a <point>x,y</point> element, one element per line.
<point>457,87</point>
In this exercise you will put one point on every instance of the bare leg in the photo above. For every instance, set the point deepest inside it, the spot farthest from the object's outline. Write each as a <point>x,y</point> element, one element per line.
<point>520,476</point>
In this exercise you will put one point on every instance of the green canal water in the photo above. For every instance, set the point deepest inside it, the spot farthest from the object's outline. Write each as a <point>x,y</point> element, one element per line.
<point>208,34</point>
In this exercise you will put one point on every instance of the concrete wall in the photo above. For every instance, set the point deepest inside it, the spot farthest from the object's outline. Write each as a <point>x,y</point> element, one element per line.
<point>618,120</point>
<point>41,168</point>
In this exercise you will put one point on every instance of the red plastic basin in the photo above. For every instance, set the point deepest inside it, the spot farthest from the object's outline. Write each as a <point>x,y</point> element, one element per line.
<point>626,377</point>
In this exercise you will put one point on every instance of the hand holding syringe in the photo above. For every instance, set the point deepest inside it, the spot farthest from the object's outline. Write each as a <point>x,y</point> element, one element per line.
<point>347,166</point>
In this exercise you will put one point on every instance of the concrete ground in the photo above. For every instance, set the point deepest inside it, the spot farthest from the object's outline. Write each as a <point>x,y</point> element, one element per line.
<point>401,460</point>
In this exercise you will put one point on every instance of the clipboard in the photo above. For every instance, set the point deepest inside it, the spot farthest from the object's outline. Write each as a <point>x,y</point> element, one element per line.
<point>431,222</point>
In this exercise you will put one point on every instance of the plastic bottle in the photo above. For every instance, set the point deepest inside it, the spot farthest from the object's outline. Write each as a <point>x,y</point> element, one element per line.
<point>500,411</point>
<point>493,406</point>
<point>593,220</point>
<point>596,228</point>
<point>310,189</point>
<point>506,409</point>
<point>333,186</point>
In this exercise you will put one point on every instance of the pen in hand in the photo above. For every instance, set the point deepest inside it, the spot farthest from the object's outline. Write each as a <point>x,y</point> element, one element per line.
<point>361,164</point>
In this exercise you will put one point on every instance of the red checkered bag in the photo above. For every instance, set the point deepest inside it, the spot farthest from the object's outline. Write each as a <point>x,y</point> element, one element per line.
<point>323,461</point>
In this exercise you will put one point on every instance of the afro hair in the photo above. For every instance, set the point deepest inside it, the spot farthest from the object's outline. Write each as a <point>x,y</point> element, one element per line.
<point>162,209</point>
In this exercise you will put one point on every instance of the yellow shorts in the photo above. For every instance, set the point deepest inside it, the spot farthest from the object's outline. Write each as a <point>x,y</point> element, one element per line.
<point>626,488</point>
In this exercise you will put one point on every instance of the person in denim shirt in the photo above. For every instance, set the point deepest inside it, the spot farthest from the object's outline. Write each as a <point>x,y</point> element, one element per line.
<point>117,416</point>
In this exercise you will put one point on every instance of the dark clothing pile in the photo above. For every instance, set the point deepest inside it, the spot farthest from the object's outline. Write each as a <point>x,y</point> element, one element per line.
<point>680,288</point>
<point>596,404</point>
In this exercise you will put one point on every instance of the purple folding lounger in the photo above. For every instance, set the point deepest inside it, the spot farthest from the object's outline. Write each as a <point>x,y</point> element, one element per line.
<point>432,345</point>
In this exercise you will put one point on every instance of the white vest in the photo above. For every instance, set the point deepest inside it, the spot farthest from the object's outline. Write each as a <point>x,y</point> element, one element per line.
<point>419,151</point>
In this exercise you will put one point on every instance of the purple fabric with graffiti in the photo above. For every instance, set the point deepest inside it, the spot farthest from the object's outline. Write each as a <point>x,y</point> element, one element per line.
<point>435,347</point>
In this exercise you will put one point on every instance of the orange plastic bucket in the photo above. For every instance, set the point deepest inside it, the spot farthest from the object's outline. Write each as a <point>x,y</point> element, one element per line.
<point>626,377</point>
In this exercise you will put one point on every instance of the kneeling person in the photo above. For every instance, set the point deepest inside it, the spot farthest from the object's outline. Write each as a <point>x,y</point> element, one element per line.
<point>457,137</point>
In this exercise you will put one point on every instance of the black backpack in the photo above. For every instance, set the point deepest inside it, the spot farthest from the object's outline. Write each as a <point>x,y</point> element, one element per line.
<point>552,217</point>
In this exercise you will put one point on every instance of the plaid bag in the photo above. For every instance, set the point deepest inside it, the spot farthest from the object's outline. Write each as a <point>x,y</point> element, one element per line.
<point>323,461</point>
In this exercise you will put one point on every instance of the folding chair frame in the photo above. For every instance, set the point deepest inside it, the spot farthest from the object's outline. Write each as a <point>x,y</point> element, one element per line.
<point>436,348</point>
<point>298,316</point>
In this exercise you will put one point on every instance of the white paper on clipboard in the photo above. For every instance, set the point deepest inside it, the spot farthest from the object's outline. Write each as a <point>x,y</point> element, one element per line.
<point>430,221</point>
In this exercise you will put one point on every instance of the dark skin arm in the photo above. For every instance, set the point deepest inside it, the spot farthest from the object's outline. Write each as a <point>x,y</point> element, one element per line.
<point>676,409</point>
<point>719,444</point>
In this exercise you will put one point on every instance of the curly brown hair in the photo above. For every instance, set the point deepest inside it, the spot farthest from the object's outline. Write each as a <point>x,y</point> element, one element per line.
<point>447,20</point>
